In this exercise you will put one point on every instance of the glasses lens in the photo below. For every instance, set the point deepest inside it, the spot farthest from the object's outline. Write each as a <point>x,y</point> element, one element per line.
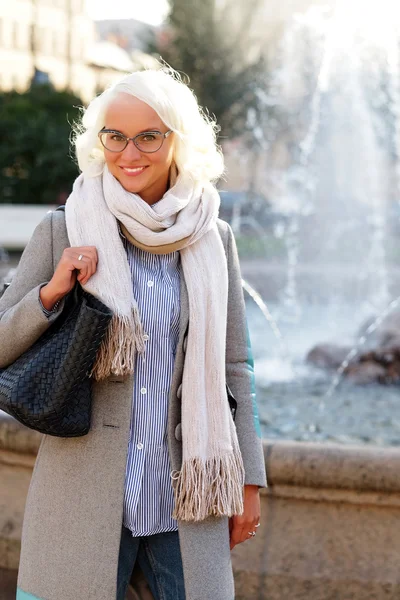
<point>113,141</point>
<point>149,142</point>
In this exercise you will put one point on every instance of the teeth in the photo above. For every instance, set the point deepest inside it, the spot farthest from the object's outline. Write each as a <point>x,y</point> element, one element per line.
<point>134,170</point>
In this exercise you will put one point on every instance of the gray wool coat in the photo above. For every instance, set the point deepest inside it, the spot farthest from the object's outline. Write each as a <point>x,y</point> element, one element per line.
<point>73,515</point>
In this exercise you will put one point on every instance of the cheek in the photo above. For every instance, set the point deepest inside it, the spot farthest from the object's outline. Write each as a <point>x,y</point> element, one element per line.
<point>161,161</point>
<point>111,159</point>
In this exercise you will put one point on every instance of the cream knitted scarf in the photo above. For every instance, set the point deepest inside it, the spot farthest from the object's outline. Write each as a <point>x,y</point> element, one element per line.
<point>211,478</point>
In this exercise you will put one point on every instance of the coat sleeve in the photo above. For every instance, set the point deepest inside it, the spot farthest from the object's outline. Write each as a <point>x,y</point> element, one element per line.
<point>240,372</point>
<point>22,320</point>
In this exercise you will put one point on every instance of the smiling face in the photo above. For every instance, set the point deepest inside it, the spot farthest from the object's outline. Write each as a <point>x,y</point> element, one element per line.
<point>145,174</point>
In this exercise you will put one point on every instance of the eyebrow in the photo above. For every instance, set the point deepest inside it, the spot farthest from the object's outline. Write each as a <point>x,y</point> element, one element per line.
<point>151,129</point>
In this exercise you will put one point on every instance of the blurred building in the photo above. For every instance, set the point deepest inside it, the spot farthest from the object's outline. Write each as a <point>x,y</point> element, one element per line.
<point>56,41</point>
<point>129,34</point>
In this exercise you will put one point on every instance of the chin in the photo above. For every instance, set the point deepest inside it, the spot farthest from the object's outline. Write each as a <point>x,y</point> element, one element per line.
<point>134,189</point>
<point>132,186</point>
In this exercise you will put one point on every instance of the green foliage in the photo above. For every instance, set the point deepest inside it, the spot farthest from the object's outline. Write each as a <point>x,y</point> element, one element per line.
<point>212,44</point>
<point>250,247</point>
<point>36,166</point>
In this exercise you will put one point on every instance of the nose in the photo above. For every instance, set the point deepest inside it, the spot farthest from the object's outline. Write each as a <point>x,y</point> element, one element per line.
<point>131,152</point>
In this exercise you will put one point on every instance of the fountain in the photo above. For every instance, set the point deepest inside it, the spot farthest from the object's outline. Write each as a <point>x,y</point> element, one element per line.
<point>336,86</point>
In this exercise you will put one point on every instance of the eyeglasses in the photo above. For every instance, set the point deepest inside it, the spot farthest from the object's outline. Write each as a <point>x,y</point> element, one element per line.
<point>149,141</point>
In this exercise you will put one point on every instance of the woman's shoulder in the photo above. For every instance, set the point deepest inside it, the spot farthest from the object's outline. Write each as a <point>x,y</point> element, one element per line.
<point>54,219</point>
<point>224,230</point>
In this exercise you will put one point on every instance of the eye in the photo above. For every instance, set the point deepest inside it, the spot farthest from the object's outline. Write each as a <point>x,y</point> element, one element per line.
<point>148,137</point>
<point>115,137</point>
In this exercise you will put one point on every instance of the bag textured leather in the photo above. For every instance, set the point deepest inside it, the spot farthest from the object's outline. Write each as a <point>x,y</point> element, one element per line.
<point>48,388</point>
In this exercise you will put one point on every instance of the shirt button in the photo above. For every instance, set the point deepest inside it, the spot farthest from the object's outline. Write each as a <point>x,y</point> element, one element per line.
<point>146,337</point>
<point>139,446</point>
<point>150,283</point>
<point>143,390</point>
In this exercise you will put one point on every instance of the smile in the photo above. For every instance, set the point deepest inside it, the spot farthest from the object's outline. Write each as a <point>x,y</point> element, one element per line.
<point>133,171</point>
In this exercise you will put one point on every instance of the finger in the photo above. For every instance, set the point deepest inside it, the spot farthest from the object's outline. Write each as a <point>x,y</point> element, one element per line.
<point>91,268</point>
<point>232,536</point>
<point>95,254</point>
<point>252,525</point>
<point>89,251</point>
<point>236,536</point>
<point>77,257</point>
<point>82,277</point>
<point>94,265</point>
<point>86,275</point>
<point>246,533</point>
<point>93,258</point>
<point>82,266</point>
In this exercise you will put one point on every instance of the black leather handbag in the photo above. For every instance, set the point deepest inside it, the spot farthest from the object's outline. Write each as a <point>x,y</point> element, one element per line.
<point>48,388</point>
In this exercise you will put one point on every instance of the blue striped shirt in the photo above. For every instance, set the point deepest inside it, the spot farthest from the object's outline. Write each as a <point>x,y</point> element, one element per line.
<point>149,500</point>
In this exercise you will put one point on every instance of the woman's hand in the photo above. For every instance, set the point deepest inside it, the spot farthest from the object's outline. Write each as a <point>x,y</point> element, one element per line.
<point>65,275</point>
<point>240,525</point>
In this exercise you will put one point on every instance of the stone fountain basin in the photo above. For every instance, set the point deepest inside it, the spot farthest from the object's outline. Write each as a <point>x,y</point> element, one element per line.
<point>329,527</point>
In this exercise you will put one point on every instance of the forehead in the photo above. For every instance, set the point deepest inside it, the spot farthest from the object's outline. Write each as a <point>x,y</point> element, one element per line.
<point>131,115</point>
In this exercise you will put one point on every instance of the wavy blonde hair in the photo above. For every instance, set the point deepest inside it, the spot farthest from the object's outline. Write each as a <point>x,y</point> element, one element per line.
<point>196,151</point>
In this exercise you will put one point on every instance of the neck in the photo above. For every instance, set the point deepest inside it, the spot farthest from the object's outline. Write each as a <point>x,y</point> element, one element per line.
<point>156,192</point>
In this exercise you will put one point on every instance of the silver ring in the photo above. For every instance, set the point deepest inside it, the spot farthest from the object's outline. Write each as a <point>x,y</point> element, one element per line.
<point>252,533</point>
<point>80,257</point>
<point>258,525</point>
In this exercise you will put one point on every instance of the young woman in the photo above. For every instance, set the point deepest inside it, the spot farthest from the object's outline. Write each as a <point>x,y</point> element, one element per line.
<point>165,476</point>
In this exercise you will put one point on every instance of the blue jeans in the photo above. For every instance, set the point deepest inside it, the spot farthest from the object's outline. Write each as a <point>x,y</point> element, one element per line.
<point>159,558</point>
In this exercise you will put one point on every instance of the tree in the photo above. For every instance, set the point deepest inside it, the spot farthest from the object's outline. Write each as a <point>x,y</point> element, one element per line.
<point>36,166</point>
<point>224,62</point>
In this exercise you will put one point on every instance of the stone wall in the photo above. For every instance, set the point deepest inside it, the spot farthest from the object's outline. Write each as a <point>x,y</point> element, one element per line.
<point>329,527</point>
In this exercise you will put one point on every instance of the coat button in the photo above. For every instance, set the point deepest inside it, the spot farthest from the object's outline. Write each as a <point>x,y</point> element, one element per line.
<point>179,392</point>
<point>178,432</point>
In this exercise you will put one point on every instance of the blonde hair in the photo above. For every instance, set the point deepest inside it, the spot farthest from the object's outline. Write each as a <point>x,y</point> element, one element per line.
<point>195,147</point>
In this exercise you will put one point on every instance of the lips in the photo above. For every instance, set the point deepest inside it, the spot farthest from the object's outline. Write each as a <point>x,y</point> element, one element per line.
<point>133,171</point>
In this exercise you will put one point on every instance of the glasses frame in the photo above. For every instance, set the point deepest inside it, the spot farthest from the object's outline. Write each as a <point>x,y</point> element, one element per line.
<point>133,139</point>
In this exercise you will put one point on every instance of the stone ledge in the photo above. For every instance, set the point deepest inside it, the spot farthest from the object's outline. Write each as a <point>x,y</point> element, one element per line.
<point>332,466</point>
<point>16,437</point>
<point>289,464</point>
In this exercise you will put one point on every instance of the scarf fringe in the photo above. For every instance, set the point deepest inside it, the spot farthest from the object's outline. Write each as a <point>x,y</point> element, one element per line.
<point>116,354</point>
<point>209,488</point>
